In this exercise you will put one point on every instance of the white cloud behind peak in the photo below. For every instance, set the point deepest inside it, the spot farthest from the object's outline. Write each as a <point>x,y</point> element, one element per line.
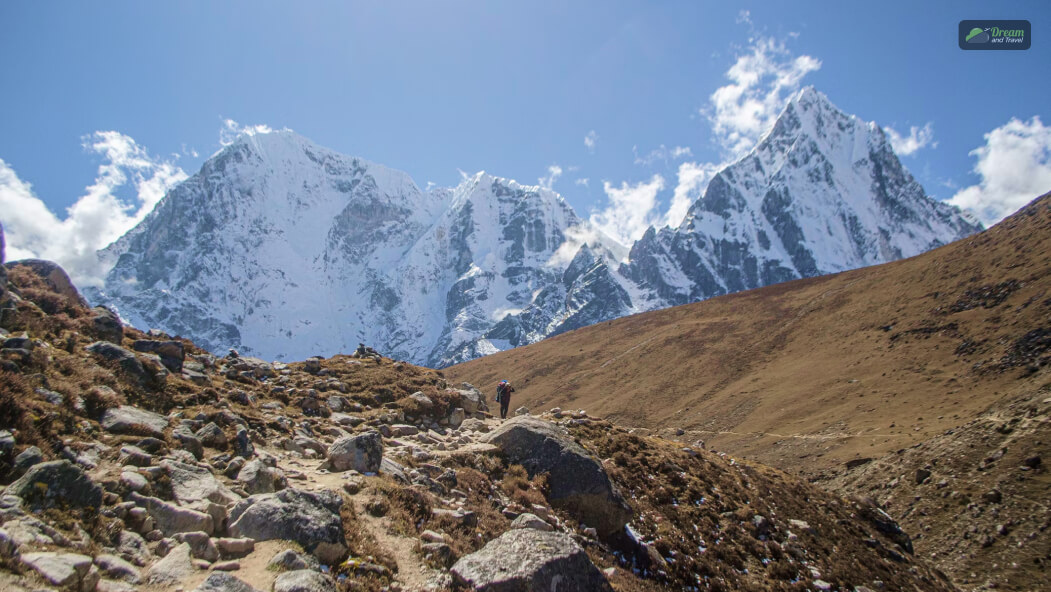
<point>97,218</point>
<point>761,81</point>
<point>918,138</point>
<point>1013,167</point>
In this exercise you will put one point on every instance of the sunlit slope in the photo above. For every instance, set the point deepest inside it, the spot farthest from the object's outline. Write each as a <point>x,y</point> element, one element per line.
<point>815,372</point>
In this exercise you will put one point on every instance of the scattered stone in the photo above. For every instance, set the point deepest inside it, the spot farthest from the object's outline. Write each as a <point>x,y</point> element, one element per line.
<point>290,560</point>
<point>577,481</point>
<point>118,569</point>
<point>521,411</point>
<point>188,441</point>
<point>172,519</point>
<point>922,475</point>
<point>192,484</point>
<point>201,545</point>
<point>308,518</point>
<point>171,353</point>
<point>233,547</point>
<point>243,446</point>
<point>67,570</point>
<point>48,483</point>
<point>259,478</point>
<point>106,325</point>
<point>135,456</point>
<point>457,417</point>
<point>533,521</point>
<point>173,568</point>
<point>220,581</point>
<point>133,481</point>
<point>29,457</point>
<point>429,536</point>
<point>132,420</point>
<point>212,436</point>
<point>993,496</point>
<point>304,580</point>
<point>1033,461</point>
<point>525,559</point>
<point>362,453</point>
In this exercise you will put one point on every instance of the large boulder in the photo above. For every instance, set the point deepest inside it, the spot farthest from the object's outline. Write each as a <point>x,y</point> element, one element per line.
<point>362,453</point>
<point>525,560</point>
<point>132,420</point>
<point>309,518</point>
<point>106,325</point>
<point>192,484</point>
<point>171,353</point>
<point>54,276</point>
<point>577,482</point>
<point>472,400</point>
<point>57,482</point>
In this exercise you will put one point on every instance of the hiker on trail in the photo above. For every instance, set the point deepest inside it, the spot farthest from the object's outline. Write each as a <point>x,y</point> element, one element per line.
<point>503,396</point>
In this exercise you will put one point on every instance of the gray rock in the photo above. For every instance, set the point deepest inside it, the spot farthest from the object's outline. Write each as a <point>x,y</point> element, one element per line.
<point>133,481</point>
<point>577,481</point>
<point>29,457</point>
<point>188,441</point>
<point>132,420</point>
<point>135,456</point>
<point>472,400</point>
<point>118,568</point>
<point>530,560</point>
<point>259,478</point>
<point>521,411</point>
<point>243,446</point>
<point>48,483</point>
<point>132,547</point>
<point>201,545</point>
<point>220,581</point>
<point>7,443</point>
<point>171,353</point>
<point>308,518</point>
<point>231,547</point>
<point>290,560</point>
<point>106,325</point>
<point>456,417</point>
<point>192,484</point>
<point>362,453</point>
<point>212,435</point>
<point>346,420</point>
<point>533,521</point>
<point>395,470</point>
<point>131,365</point>
<point>254,367</point>
<point>172,519</point>
<point>304,580</point>
<point>425,402</point>
<point>176,566</point>
<point>67,570</point>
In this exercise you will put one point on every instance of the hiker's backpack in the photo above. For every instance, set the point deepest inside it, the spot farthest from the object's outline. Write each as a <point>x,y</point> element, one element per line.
<point>501,392</point>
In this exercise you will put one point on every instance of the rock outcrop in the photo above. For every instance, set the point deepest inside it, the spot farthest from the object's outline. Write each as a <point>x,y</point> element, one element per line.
<point>530,561</point>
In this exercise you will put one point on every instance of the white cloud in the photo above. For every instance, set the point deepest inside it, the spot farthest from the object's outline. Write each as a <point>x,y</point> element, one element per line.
<point>744,17</point>
<point>919,137</point>
<point>589,140</point>
<point>761,81</point>
<point>98,218</point>
<point>693,180</point>
<point>582,182</point>
<point>662,153</point>
<point>553,173</point>
<point>1014,167</point>
<point>576,237</point>
<point>231,129</point>
<point>630,211</point>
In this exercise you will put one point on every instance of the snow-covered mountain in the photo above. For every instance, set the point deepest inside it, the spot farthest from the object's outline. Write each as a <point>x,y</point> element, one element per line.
<point>283,249</point>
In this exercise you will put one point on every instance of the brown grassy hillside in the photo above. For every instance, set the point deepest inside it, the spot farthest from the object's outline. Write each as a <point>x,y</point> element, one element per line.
<point>810,374</point>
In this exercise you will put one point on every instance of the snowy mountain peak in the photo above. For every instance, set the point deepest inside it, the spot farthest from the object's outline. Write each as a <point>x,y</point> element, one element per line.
<point>284,249</point>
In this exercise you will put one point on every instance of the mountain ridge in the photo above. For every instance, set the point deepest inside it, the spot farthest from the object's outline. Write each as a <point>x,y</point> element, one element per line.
<point>302,250</point>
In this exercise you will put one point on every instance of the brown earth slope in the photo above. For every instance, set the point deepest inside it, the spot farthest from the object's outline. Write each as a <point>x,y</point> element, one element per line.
<point>810,374</point>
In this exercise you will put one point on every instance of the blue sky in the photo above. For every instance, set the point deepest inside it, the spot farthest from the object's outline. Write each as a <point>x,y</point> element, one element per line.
<point>513,88</point>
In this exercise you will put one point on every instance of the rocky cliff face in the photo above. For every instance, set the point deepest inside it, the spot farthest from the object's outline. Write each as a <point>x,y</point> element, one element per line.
<point>284,249</point>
